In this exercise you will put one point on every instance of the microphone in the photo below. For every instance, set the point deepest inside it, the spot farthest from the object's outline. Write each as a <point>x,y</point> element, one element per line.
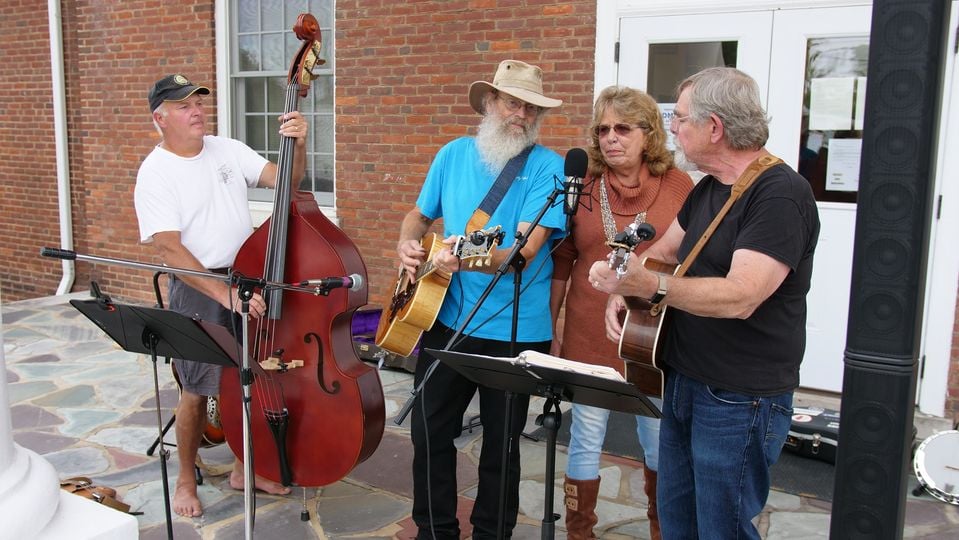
<point>575,171</point>
<point>352,282</point>
<point>645,231</point>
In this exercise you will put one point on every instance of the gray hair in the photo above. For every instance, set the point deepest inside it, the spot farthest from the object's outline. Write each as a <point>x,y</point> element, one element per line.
<point>163,112</point>
<point>733,96</point>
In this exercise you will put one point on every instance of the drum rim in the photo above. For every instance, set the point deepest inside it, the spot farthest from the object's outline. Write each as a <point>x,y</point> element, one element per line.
<point>921,471</point>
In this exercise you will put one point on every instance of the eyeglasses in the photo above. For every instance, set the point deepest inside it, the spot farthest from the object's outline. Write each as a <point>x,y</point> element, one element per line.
<point>622,130</point>
<point>678,119</point>
<point>513,105</point>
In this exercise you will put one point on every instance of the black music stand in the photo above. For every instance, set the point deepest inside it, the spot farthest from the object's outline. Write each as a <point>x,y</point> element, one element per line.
<point>159,332</point>
<point>523,375</point>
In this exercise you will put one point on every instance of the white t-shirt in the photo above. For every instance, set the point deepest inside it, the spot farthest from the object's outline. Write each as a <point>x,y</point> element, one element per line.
<point>203,197</point>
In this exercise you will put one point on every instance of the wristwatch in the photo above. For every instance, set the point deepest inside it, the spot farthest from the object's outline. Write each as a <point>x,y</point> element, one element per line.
<point>660,292</point>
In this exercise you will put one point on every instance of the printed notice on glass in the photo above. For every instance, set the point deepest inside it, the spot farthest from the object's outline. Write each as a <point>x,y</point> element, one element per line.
<point>831,103</point>
<point>842,167</point>
<point>666,110</point>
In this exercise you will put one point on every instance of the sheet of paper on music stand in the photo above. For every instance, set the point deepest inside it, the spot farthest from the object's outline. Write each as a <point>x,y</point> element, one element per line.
<point>535,358</point>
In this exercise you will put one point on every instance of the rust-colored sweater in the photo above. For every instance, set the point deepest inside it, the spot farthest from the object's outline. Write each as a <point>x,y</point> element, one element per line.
<point>584,333</point>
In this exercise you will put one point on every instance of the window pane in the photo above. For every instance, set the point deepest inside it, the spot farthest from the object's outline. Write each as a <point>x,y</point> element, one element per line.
<point>276,90</point>
<point>249,53</point>
<point>255,136</point>
<point>832,116</point>
<point>272,12</point>
<point>274,57</point>
<point>319,178</point>
<point>323,11</point>
<point>247,15</point>
<point>293,10</point>
<point>255,98</point>
<point>323,133</point>
<point>322,92</point>
<point>670,63</point>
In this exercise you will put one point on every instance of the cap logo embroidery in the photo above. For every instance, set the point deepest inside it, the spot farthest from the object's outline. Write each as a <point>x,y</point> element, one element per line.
<point>181,80</point>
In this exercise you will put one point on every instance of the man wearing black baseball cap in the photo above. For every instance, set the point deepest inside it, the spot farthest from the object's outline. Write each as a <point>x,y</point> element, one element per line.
<point>174,88</point>
<point>191,204</point>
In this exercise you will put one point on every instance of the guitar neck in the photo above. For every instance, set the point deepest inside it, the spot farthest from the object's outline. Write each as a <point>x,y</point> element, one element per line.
<point>425,269</point>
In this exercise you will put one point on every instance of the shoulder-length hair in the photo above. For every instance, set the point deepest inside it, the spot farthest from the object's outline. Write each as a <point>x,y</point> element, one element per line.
<point>639,109</point>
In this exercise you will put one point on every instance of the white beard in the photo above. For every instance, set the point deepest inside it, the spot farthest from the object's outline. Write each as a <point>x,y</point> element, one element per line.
<point>497,143</point>
<point>682,162</point>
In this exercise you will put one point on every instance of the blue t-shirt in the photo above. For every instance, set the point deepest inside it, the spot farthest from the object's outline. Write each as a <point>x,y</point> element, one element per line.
<point>456,184</point>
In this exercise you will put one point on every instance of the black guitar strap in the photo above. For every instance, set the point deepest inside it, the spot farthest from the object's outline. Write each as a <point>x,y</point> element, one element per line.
<point>480,217</point>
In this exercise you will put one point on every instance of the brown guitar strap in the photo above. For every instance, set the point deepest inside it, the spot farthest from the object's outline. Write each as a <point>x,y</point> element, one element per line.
<point>481,215</point>
<point>757,167</point>
<point>752,172</point>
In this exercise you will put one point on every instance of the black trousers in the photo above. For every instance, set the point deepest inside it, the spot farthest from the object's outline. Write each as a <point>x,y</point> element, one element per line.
<point>437,419</point>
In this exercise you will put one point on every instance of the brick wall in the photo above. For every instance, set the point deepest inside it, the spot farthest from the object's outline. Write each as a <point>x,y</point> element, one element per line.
<point>28,190</point>
<point>403,70</point>
<point>113,52</point>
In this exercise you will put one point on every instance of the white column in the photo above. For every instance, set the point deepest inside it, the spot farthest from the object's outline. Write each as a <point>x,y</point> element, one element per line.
<point>31,501</point>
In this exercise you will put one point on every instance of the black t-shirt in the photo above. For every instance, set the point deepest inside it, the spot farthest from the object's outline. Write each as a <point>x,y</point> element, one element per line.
<point>760,355</point>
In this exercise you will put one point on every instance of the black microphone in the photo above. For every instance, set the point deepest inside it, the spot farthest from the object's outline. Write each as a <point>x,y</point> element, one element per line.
<point>352,282</point>
<point>645,231</point>
<point>575,170</point>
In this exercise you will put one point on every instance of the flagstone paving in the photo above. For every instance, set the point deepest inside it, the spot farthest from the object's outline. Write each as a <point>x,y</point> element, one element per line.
<point>88,407</point>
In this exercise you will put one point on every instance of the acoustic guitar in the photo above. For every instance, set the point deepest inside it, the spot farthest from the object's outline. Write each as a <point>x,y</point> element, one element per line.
<point>416,302</point>
<point>645,323</point>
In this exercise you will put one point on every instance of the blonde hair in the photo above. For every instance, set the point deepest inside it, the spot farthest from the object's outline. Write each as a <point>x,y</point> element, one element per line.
<point>634,107</point>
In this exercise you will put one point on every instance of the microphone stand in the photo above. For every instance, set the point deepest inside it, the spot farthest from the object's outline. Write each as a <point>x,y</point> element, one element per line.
<point>516,261</point>
<point>245,288</point>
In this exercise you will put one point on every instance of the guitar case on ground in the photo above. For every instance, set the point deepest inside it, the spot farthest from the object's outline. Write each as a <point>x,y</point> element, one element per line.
<point>814,433</point>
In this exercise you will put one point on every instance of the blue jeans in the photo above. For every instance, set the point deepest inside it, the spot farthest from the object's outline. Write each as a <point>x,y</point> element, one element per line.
<point>586,434</point>
<point>717,447</point>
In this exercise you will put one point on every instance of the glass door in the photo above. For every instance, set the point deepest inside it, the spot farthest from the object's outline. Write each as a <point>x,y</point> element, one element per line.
<point>817,82</point>
<point>810,65</point>
<point>656,53</point>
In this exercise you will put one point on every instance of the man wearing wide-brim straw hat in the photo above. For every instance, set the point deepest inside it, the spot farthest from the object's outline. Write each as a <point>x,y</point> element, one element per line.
<point>462,175</point>
<point>518,79</point>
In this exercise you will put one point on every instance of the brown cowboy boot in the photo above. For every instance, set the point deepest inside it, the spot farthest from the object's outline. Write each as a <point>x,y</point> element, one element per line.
<point>580,508</point>
<point>649,486</point>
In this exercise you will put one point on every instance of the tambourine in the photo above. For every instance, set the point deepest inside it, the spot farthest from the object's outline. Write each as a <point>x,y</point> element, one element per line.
<point>937,466</point>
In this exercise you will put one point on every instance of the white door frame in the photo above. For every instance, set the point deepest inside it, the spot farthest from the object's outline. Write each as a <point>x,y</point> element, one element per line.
<point>943,269</point>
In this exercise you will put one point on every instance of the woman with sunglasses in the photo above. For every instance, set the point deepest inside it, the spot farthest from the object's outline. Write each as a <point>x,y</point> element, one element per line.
<point>631,178</point>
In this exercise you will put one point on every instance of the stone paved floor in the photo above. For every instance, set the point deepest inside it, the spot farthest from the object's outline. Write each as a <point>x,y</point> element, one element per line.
<point>87,407</point>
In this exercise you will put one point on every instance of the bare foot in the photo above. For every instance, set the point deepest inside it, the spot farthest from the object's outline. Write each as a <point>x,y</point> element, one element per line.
<point>185,501</point>
<point>260,483</point>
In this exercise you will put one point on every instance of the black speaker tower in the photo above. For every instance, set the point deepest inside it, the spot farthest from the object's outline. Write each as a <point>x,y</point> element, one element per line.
<point>905,75</point>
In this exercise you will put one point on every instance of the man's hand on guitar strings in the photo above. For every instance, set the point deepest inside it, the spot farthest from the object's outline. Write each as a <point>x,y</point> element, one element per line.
<point>411,254</point>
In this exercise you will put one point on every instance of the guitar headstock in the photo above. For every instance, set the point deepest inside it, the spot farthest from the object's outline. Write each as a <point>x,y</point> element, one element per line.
<point>477,247</point>
<point>622,247</point>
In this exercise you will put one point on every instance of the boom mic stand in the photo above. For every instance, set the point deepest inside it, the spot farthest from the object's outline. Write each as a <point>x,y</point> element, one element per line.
<point>516,261</point>
<point>245,287</point>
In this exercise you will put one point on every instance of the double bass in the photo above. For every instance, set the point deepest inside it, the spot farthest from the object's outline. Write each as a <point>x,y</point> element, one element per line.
<point>316,410</point>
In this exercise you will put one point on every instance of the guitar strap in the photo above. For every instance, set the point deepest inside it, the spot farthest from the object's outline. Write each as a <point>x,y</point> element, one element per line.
<point>480,217</point>
<point>757,167</point>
